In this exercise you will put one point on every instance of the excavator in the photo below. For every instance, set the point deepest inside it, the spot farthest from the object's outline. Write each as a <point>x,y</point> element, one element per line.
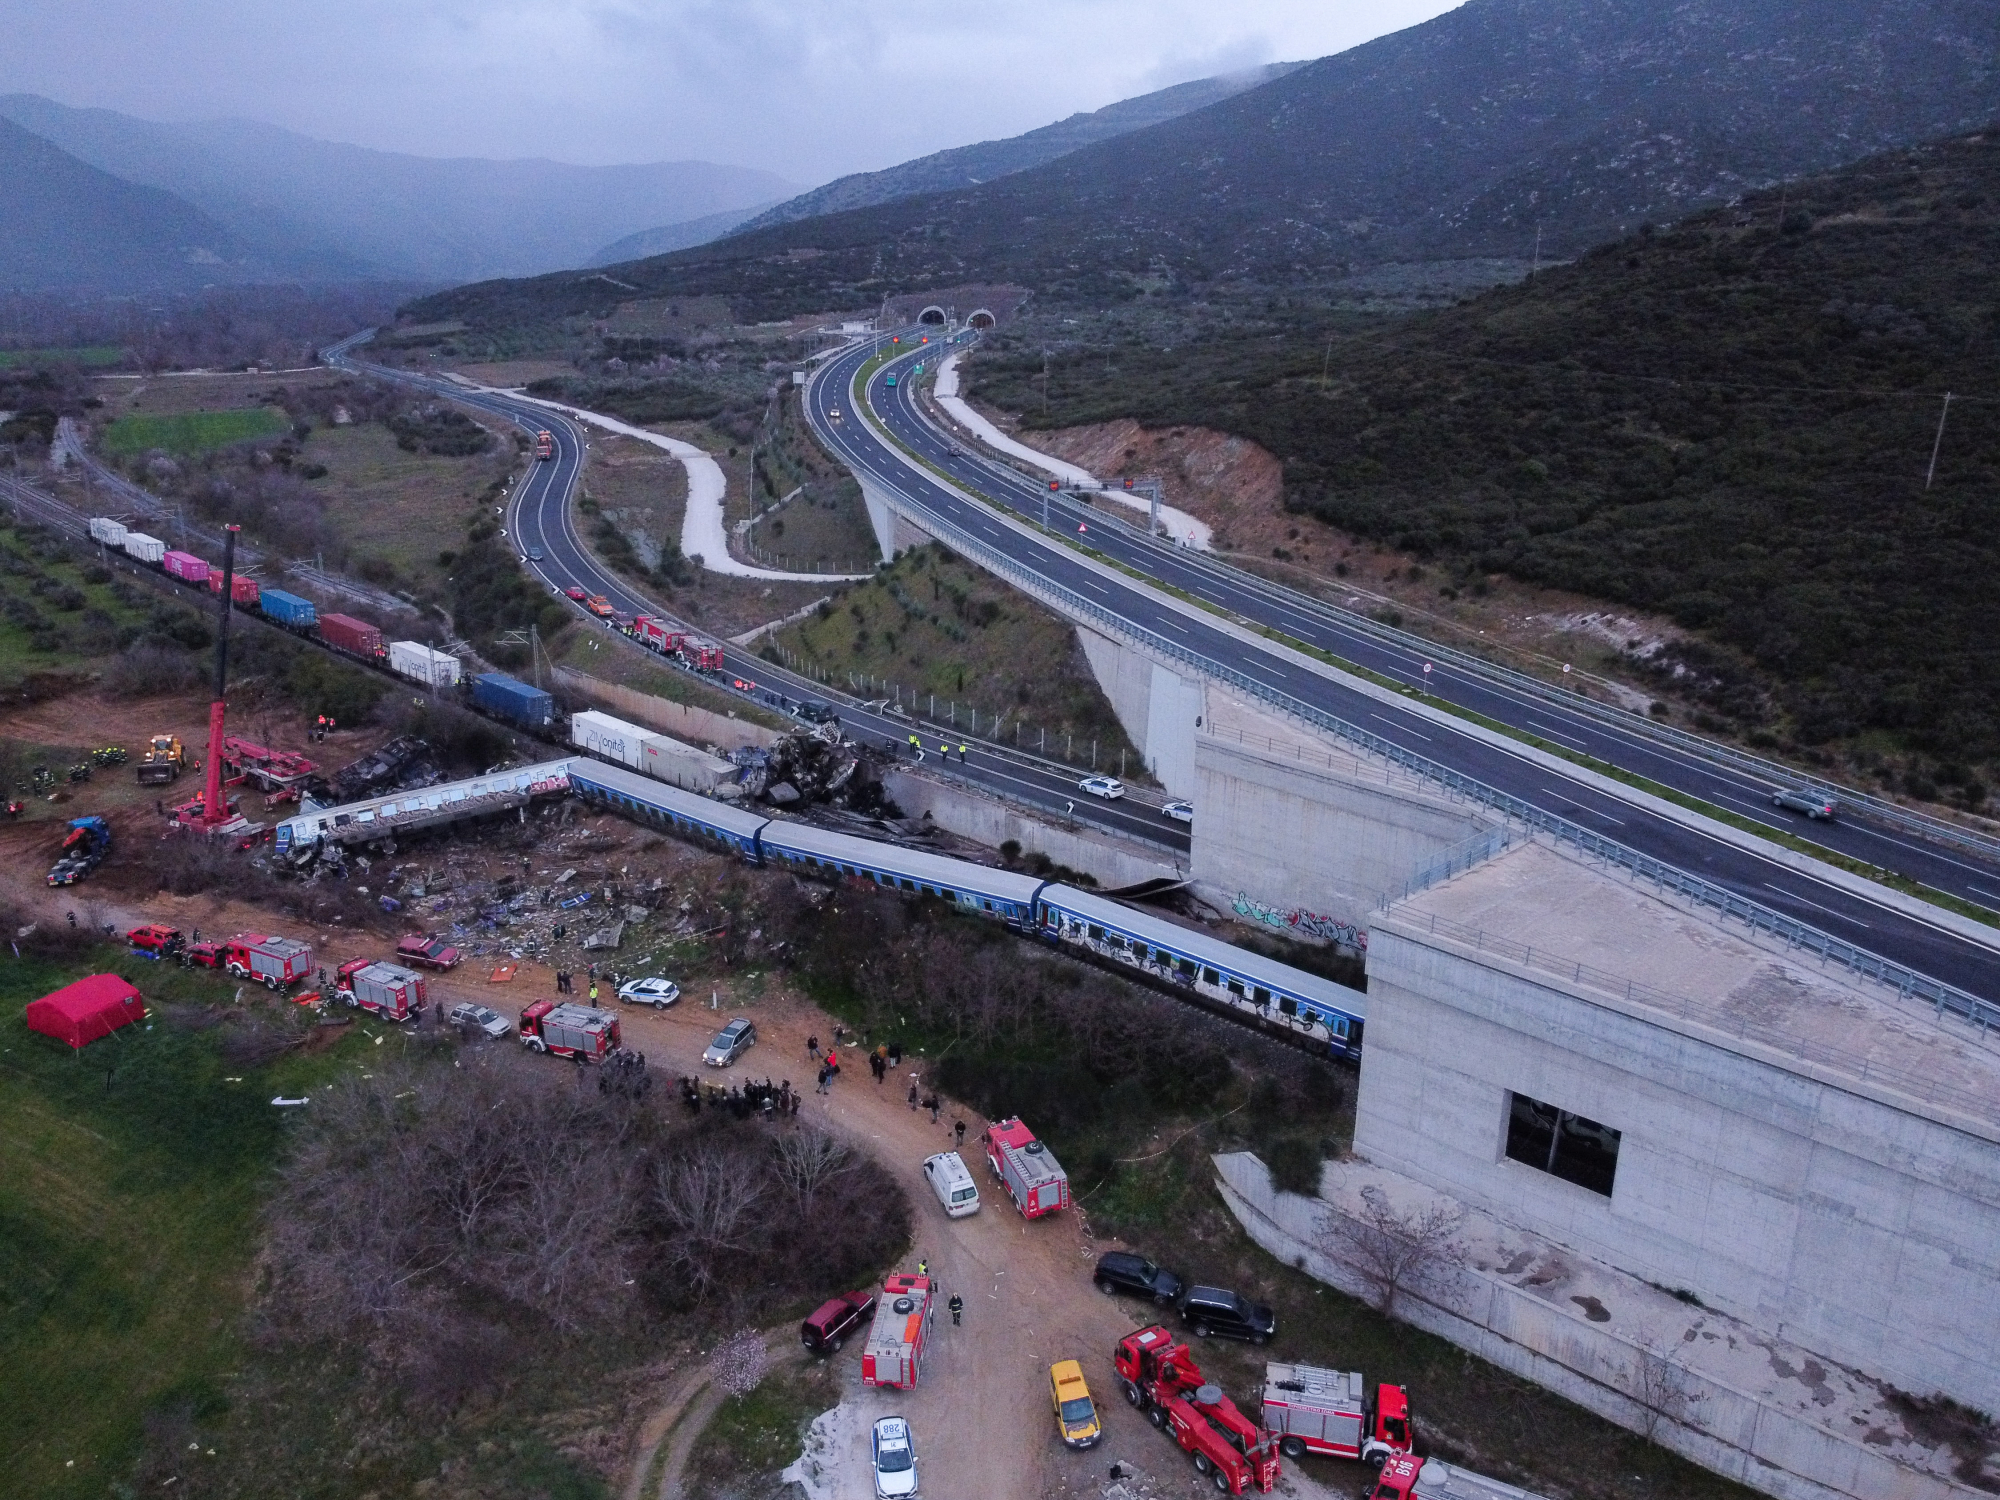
<point>163,761</point>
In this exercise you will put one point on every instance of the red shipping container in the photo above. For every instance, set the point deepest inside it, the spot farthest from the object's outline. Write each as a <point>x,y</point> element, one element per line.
<point>185,566</point>
<point>345,633</point>
<point>241,589</point>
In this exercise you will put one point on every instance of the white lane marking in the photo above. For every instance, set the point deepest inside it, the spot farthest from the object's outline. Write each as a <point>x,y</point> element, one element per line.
<point>1398,724</point>
<point>1988,894</point>
<point>1583,806</point>
<point>1172,624</point>
<point>1813,904</point>
<point>1555,733</point>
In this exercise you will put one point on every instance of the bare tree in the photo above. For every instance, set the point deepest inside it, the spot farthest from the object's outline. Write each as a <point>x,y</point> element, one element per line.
<point>1664,1388</point>
<point>709,1198</point>
<point>1392,1250</point>
<point>807,1160</point>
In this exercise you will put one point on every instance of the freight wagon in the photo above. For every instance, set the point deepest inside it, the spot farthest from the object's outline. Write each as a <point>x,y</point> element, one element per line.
<point>111,533</point>
<point>288,610</point>
<point>146,549</point>
<point>356,637</point>
<point>242,589</point>
<point>185,566</point>
<point>503,696</point>
<point>419,663</point>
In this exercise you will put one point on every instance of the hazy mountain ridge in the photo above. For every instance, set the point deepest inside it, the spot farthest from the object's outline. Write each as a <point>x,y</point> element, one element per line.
<point>352,211</point>
<point>1470,135</point>
<point>969,166</point>
<point>667,238</point>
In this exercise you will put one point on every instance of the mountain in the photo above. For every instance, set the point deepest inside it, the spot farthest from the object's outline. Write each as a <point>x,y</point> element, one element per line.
<point>968,166</point>
<point>1470,135</point>
<point>1730,422</point>
<point>378,213</point>
<point>673,236</point>
<point>65,225</point>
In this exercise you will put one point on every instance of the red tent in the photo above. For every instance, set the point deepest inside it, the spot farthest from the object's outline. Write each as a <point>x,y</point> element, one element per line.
<point>82,1012</point>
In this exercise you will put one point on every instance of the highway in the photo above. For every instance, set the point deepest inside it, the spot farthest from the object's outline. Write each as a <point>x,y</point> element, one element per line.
<point>540,519</point>
<point>1913,941</point>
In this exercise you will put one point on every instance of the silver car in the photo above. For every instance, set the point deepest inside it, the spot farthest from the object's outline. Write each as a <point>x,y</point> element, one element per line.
<point>491,1022</point>
<point>730,1043</point>
<point>1814,805</point>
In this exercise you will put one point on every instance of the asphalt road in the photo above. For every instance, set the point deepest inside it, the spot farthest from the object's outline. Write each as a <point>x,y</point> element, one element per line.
<point>1904,939</point>
<point>539,519</point>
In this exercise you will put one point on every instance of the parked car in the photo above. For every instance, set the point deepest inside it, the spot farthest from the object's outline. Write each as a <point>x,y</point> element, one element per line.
<point>490,1022</point>
<point>1076,1413</point>
<point>1110,788</point>
<point>576,593</point>
<point>1212,1309</point>
<point>829,1325</point>
<point>1820,808</point>
<point>155,940</point>
<point>431,952</point>
<point>1121,1271</point>
<point>1180,812</point>
<point>730,1043</point>
<point>207,955</point>
<point>814,711</point>
<point>658,993</point>
<point>894,1454</point>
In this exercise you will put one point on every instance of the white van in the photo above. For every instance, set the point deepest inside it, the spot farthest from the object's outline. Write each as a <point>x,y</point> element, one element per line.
<point>953,1185</point>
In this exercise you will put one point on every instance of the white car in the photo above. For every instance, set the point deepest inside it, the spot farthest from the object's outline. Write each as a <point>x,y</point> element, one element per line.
<point>730,1043</point>
<point>894,1454</point>
<point>1180,812</point>
<point>658,993</point>
<point>490,1022</point>
<point>1110,788</point>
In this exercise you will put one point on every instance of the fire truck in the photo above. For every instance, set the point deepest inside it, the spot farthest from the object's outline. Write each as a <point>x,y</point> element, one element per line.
<point>1159,1376</point>
<point>1407,1477</point>
<point>573,1031</point>
<point>278,962</point>
<point>545,444</point>
<point>900,1333</point>
<point>1029,1171</point>
<point>389,990</point>
<point>1328,1412</point>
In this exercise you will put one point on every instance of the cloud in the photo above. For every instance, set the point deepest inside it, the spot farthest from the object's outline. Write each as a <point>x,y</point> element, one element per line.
<point>808,88</point>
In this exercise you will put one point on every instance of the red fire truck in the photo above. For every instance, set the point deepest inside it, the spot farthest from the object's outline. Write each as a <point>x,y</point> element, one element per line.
<point>1328,1412</point>
<point>900,1333</point>
<point>1029,1171</point>
<point>567,1030</point>
<point>658,635</point>
<point>702,656</point>
<point>1407,1477</point>
<point>278,962</point>
<point>389,990</point>
<point>1160,1377</point>
<point>545,444</point>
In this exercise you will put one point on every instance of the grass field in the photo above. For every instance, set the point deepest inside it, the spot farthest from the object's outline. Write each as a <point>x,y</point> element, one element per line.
<point>128,1196</point>
<point>93,355</point>
<point>190,432</point>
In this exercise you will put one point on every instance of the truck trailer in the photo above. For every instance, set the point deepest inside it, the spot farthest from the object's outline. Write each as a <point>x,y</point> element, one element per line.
<point>900,1333</point>
<point>1028,1170</point>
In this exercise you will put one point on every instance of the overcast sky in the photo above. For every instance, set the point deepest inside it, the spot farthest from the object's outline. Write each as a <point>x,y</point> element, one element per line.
<point>811,89</point>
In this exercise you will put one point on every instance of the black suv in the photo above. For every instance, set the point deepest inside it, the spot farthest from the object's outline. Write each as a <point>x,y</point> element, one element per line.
<point>1210,1309</point>
<point>1119,1272</point>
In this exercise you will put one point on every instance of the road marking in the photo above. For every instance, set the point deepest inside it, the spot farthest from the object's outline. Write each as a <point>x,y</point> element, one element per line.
<point>1583,806</point>
<point>1172,624</point>
<point>1813,904</point>
<point>1556,733</point>
<point>1987,894</point>
<point>1398,724</point>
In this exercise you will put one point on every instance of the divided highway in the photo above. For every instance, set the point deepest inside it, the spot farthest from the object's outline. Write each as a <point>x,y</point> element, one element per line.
<point>540,520</point>
<point>977,486</point>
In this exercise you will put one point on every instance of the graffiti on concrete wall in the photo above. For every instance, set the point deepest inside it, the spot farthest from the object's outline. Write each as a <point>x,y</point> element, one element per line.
<point>1302,923</point>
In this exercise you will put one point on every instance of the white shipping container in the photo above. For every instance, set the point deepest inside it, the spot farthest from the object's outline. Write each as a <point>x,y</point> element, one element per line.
<point>104,529</point>
<point>611,738</point>
<point>419,663</point>
<point>666,759</point>
<point>145,548</point>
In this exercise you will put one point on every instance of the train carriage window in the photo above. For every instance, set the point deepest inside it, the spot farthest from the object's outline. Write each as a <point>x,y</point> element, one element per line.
<point>1287,1006</point>
<point>1236,988</point>
<point>1096,933</point>
<point>1187,967</point>
<point>1562,1144</point>
<point>1261,995</point>
<point>1209,976</point>
<point>947,895</point>
<point>1339,1026</point>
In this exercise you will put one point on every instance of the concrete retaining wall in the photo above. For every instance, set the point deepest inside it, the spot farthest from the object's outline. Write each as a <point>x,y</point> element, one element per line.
<point>1730,1431</point>
<point>984,820</point>
<point>698,726</point>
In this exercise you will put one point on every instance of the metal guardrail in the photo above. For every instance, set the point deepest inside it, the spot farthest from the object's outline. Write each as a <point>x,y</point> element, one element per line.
<point>1456,860</point>
<point>1858,1065</point>
<point>1665,877</point>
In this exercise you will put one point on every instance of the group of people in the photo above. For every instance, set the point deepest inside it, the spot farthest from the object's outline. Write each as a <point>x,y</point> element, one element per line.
<point>566,983</point>
<point>944,749</point>
<point>324,727</point>
<point>742,1100</point>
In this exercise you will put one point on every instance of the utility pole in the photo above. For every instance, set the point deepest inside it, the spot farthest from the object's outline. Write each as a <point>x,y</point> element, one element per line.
<point>1535,266</point>
<point>1937,442</point>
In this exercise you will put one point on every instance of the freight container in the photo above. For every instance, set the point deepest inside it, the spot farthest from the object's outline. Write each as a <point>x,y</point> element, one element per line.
<point>613,739</point>
<point>357,637</point>
<point>389,990</point>
<point>667,759</point>
<point>288,610</point>
<point>185,566</point>
<point>241,589</point>
<point>104,529</point>
<point>145,548</point>
<point>515,701</point>
<point>419,663</point>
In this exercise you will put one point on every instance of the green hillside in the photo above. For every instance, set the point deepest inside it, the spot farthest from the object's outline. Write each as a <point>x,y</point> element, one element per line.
<point>1730,421</point>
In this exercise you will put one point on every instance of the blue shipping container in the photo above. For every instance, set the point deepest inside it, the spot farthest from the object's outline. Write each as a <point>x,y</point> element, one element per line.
<point>500,694</point>
<point>288,609</point>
